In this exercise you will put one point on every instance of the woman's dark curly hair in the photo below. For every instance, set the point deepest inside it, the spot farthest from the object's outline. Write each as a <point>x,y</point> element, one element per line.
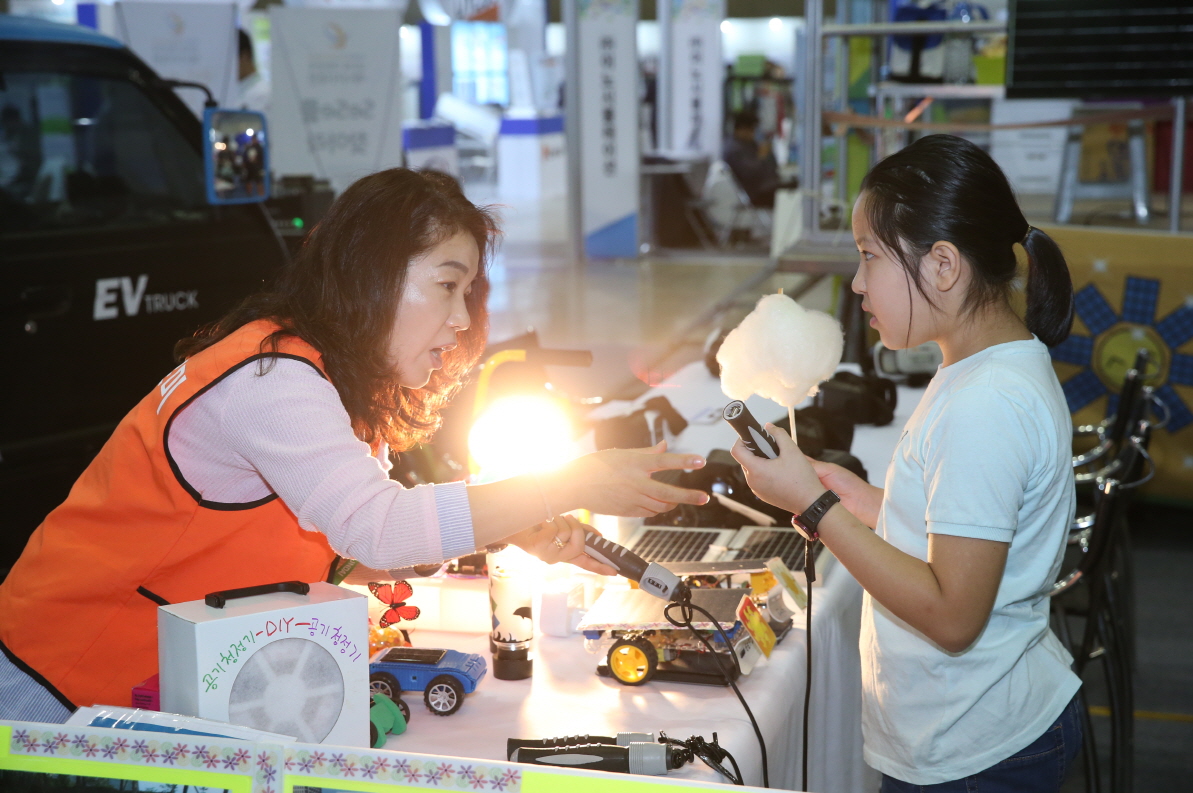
<point>341,293</point>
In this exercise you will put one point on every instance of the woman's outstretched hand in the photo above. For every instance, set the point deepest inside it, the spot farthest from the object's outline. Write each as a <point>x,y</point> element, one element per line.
<point>617,482</point>
<point>541,541</point>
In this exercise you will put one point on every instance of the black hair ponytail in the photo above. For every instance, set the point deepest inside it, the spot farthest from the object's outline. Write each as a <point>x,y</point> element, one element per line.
<point>943,187</point>
<point>1049,289</point>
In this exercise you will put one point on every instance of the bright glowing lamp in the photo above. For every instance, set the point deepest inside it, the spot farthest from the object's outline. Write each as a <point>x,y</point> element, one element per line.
<point>518,435</point>
<point>775,24</point>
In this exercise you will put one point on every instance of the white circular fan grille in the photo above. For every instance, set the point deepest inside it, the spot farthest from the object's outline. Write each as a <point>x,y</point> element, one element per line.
<point>292,687</point>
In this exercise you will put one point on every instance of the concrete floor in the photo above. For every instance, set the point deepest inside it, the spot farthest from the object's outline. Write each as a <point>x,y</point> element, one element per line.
<point>642,318</point>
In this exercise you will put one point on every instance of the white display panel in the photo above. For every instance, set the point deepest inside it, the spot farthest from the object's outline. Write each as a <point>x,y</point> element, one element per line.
<point>336,110</point>
<point>697,77</point>
<point>195,42</point>
<point>609,127</point>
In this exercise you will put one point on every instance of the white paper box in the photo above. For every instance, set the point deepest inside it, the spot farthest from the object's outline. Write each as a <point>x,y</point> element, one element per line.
<point>291,664</point>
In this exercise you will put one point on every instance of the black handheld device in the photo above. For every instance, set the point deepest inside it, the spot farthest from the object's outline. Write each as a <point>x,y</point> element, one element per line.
<point>650,576</point>
<point>749,430</point>
<point>637,758</point>
<point>622,739</point>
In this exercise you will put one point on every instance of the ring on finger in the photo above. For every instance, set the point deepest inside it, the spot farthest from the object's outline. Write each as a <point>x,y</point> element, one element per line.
<point>558,543</point>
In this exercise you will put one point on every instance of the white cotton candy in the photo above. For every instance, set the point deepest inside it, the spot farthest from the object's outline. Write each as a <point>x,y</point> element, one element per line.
<point>780,351</point>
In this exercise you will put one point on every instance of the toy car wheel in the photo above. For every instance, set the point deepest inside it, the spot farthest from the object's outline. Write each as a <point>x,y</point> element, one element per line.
<point>373,736</point>
<point>633,661</point>
<point>385,684</point>
<point>444,695</point>
<point>402,706</point>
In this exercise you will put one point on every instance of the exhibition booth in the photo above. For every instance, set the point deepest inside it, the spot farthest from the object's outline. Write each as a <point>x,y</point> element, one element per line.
<point>728,616</point>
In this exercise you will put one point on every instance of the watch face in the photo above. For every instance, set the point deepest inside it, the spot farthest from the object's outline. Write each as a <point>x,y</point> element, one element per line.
<point>800,528</point>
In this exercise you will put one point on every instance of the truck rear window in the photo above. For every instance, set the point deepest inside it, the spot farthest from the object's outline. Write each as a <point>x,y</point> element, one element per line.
<point>82,151</point>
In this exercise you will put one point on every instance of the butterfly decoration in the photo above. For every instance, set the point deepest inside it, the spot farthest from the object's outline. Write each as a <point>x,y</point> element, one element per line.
<point>395,596</point>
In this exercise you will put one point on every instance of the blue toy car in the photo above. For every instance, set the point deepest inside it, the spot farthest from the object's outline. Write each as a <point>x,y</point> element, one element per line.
<point>444,676</point>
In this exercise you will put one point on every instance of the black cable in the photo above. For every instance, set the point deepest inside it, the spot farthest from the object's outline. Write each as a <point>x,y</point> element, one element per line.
<point>686,607</point>
<point>810,576</point>
<point>711,754</point>
<point>736,770</point>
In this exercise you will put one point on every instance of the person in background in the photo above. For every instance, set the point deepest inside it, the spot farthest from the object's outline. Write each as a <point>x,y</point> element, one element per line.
<point>254,91</point>
<point>753,163</point>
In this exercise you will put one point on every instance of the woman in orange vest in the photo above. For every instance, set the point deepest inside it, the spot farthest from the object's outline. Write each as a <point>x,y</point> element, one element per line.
<point>263,457</point>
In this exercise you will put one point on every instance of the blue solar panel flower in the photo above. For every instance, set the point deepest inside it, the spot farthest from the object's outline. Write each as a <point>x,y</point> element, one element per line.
<point>1110,349</point>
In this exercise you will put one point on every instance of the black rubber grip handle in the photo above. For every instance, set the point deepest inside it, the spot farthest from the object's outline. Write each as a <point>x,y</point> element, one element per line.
<point>513,744</point>
<point>217,600</point>
<point>751,433</point>
<point>559,357</point>
<point>593,757</point>
<point>622,559</point>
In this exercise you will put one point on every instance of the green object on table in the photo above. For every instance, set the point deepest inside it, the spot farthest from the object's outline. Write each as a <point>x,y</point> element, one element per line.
<point>387,718</point>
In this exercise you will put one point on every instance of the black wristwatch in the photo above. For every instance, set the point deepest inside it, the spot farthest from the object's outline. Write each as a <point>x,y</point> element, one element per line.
<point>807,521</point>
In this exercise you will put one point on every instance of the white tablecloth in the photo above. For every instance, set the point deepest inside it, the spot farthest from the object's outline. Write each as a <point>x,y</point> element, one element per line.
<point>566,697</point>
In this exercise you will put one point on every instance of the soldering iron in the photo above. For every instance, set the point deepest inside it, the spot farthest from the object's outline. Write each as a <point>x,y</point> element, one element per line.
<point>652,577</point>
<point>629,753</point>
<point>657,580</point>
<point>635,758</point>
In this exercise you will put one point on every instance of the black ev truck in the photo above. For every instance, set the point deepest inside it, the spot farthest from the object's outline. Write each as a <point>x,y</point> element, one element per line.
<point>110,252</point>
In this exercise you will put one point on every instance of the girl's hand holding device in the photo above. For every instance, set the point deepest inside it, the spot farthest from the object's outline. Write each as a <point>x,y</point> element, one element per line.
<point>789,481</point>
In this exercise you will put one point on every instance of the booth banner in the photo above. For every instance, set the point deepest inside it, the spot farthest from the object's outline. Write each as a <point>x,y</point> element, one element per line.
<point>445,12</point>
<point>697,77</point>
<point>195,42</point>
<point>336,105</point>
<point>1133,289</point>
<point>608,106</point>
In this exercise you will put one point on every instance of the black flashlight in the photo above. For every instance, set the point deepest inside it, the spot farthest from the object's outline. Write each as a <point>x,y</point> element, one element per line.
<point>752,435</point>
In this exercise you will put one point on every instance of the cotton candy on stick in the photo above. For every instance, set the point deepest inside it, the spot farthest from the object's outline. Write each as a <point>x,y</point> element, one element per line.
<point>781,351</point>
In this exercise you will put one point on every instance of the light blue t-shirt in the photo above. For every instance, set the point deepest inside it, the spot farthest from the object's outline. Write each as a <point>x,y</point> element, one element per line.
<point>987,454</point>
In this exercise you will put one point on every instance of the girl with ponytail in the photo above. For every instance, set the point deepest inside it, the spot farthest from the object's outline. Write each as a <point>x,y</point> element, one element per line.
<point>965,687</point>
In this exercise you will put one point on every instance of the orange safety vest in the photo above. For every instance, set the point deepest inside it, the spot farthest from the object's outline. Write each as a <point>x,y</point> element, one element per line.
<point>79,610</point>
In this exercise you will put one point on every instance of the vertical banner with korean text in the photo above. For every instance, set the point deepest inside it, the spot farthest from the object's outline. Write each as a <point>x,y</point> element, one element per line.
<point>608,105</point>
<point>195,42</point>
<point>697,75</point>
<point>336,106</point>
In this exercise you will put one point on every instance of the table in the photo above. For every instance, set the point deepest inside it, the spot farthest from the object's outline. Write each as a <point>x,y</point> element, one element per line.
<point>694,169</point>
<point>566,697</point>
